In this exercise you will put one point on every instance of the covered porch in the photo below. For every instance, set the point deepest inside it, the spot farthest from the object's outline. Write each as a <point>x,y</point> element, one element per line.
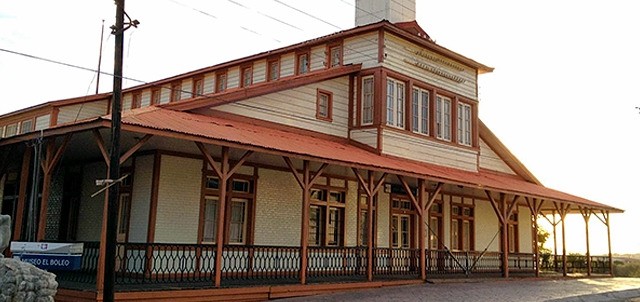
<point>156,255</point>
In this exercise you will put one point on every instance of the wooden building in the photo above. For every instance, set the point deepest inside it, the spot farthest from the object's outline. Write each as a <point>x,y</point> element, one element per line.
<point>351,160</point>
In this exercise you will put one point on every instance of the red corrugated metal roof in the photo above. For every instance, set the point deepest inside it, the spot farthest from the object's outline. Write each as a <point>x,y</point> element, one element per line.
<point>252,135</point>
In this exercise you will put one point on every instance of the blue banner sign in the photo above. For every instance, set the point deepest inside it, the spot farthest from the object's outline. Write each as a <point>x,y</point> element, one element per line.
<point>52,262</point>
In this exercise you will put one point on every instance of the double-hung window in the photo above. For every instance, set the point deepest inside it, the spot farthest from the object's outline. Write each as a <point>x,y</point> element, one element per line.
<point>326,215</point>
<point>176,91</point>
<point>274,69</point>
<point>443,118</point>
<point>395,103</point>
<point>238,215</point>
<point>335,56</point>
<point>464,124</point>
<point>302,63</point>
<point>324,105</point>
<point>462,227</point>
<point>198,87</point>
<point>136,100</point>
<point>367,101</point>
<point>221,82</point>
<point>420,111</point>
<point>247,76</point>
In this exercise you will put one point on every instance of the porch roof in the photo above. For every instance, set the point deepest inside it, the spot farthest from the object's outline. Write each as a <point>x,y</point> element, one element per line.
<point>334,150</point>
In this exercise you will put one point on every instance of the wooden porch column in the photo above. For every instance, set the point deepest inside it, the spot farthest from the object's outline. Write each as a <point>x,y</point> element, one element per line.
<point>606,221</point>
<point>586,214</point>
<point>305,182</point>
<point>22,193</point>
<point>535,208</point>
<point>52,158</point>
<point>103,231</point>
<point>563,210</point>
<point>504,212</point>
<point>224,173</point>
<point>418,203</point>
<point>371,189</point>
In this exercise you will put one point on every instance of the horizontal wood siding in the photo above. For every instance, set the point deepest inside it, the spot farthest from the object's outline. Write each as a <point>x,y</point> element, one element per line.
<point>318,58</point>
<point>186,89</point>
<point>42,122</point>
<point>368,137</point>
<point>126,101</point>
<point>287,63</point>
<point>297,107</point>
<point>209,83</point>
<point>259,71</point>
<point>78,112</point>
<point>146,98</point>
<point>233,78</point>
<point>141,198</point>
<point>491,161</point>
<point>361,49</point>
<point>425,150</point>
<point>165,94</point>
<point>400,56</point>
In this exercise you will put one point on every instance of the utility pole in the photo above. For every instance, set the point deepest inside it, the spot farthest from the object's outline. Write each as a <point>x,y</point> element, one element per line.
<point>100,58</point>
<point>114,166</point>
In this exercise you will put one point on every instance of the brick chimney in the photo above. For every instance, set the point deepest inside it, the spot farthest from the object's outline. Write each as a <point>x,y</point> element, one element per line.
<point>395,11</point>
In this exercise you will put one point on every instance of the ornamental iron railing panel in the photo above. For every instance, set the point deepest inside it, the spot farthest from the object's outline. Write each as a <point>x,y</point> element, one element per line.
<point>336,262</point>
<point>395,261</point>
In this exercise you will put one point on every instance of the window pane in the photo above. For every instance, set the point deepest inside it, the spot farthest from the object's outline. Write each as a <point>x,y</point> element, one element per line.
<point>316,225</point>
<point>434,230</point>
<point>274,70</point>
<point>237,225</point>
<point>210,219</point>
<point>212,183</point>
<point>425,113</point>
<point>466,235</point>
<point>335,57</point>
<point>405,227</point>
<point>334,227</point>
<point>394,231</point>
<point>390,102</point>
<point>455,239</point>
<point>400,105</point>
<point>416,111</point>
<point>367,101</point>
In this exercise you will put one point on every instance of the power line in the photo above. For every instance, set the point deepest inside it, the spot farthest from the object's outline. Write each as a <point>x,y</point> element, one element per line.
<point>67,64</point>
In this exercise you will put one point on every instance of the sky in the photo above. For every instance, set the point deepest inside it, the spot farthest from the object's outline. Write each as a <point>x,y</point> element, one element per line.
<point>562,98</point>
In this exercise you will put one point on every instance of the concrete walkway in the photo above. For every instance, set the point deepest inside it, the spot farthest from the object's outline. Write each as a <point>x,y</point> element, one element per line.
<point>597,289</point>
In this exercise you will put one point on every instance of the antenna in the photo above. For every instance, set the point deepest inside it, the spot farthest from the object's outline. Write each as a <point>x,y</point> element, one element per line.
<point>100,57</point>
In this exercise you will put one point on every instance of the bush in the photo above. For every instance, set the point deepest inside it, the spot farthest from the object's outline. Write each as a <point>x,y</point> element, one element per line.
<point>621,269</point>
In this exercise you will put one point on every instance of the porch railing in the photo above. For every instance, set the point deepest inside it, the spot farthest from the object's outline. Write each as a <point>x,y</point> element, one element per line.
<point>193,265</point>
<point>395,261</point>
<point>576,264</point>
<point>443,262</point>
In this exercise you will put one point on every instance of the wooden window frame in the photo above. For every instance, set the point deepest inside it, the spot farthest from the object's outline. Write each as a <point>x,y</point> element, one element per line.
<point>307,66</point>
<point>195,87</point>
<point>400,211</point>
<point>136,100</point>
<point>329,110</point>
<point>270,75</point>
<point>15,131</point>
<point>440,118</point>
<point>221,81</point>
<point>363,207</point>
<point>463,125</point>
<point>421,126</point>
<point>513,223</point>
<point>327,205</point>
<point>439,215</point>
<point>156,96</point>
<point>330,52</point>
<point>21,130</point>
<point>212,193</point>
<point>395,103</point>
<point>461,219</point>
<point>176,91</point>
<point>243,76</point>
<point>363,103</point>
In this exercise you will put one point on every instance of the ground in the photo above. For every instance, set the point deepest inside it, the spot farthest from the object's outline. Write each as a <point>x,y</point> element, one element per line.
<point>596,289</point>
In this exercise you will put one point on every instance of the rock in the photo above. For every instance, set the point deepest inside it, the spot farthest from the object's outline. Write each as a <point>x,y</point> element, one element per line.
<point>21,281</point>
<point>5,232</point>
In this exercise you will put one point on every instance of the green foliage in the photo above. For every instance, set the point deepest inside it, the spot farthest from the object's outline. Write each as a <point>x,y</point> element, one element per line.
<point>621,269</point>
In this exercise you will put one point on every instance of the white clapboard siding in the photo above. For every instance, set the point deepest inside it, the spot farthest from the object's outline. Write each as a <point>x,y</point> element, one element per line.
<point>297,107</point>
<point>165,93</point>
<point>427,150</point>
<point>82,111</point>
<point>178,200</point>
<point>318,58</point>
<point>90,208</point>
<point>126,101</point>
<point>399,57</point>
<point>368,137</point>
<point>525,241</point>
<point>233,77</point>
<point>486,225</point>
<point>287,64</point>
<point>361,49</point>
<point>259,71</point>
<point>140,198</point>
<point>491,161</point>
<point>42,122</point>
<point>209,83</point>
<point>146,98</point>
<point>187,85</point>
